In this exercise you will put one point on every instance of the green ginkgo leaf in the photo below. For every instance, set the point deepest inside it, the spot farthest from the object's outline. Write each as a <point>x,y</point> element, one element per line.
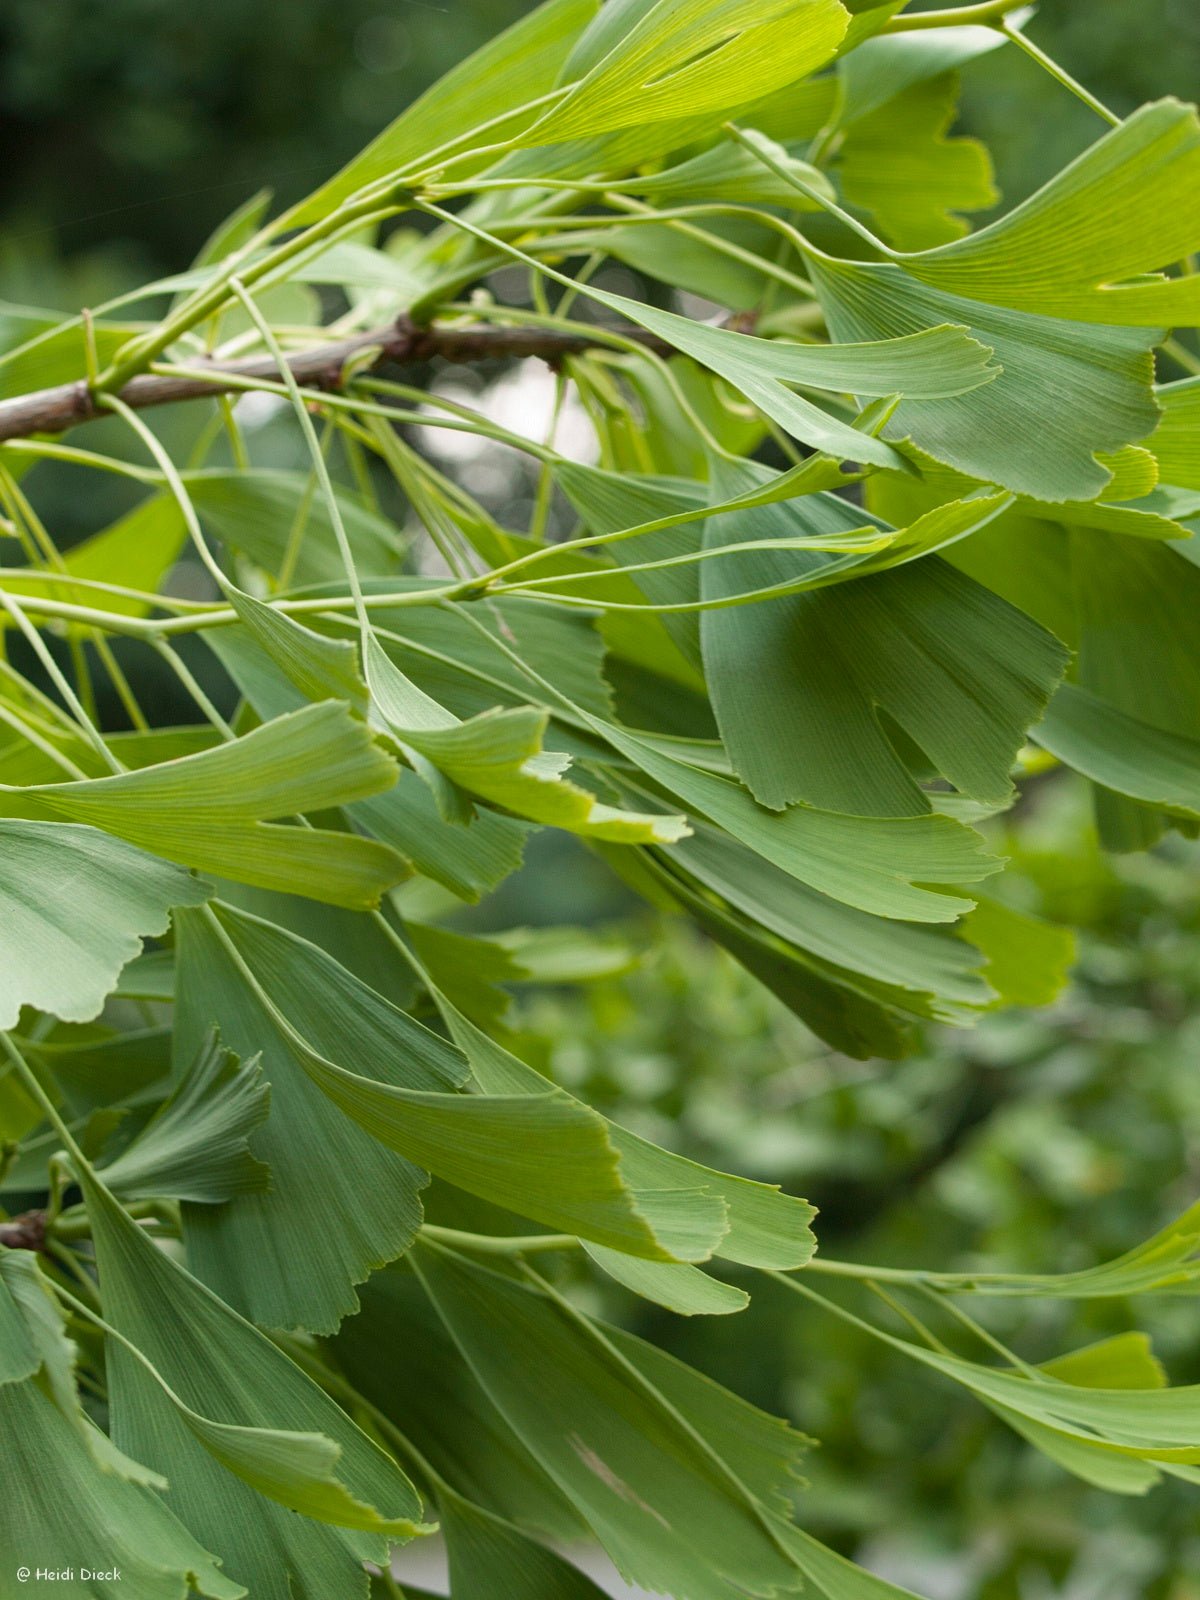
<point>227,1372</point>
<point>670,1514</point>
<point>75,905</point>
<point>499,758</point>
<point>210,810</point>
<point>677,58</point>
<point>219,984</point>
<point>196,1146</point>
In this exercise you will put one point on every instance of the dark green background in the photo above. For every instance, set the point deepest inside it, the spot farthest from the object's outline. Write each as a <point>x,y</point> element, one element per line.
<point>131,127</point>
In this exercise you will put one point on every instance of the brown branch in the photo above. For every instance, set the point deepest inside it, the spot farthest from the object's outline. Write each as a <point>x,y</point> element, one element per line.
<point>403,342</point>
<point>26,1232</point>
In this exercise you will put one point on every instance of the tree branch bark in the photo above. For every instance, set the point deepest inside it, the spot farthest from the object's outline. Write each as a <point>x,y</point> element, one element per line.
<point>402,342</point>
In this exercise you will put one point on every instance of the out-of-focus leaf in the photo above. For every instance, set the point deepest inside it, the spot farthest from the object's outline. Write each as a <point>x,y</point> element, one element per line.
<point>897,164</point>
<point>136,552</point>
<point>1028,960</point>
<point>259,512</point>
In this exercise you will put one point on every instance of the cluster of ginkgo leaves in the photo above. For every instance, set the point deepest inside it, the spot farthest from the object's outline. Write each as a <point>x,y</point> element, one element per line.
<point>886,515</point>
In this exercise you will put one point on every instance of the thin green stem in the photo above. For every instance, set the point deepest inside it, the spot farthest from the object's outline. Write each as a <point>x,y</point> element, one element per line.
<point>501,1244</point>
<point>987,12</point>
<point>33,1087</point>
<point>57,677</point>
<point>1060,74</point>
<point>162,459</point>
<point>184,673</point>
<point>319,464</point>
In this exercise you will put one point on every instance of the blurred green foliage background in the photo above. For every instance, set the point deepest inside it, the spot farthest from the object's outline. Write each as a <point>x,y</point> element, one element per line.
<point>1042,1141</point>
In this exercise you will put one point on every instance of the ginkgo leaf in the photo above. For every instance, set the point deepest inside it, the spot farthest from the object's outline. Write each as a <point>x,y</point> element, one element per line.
<point>736,1218</point>
<point>196,1147</point>
<point>798,683</point>
<point>227,1372</point>
<point>876,864</point>
<point>671,1516</point>
<point>75,905</point>
<point>440,1407</point>
<point>319,667</point>
<point>489,1555</point>
<point>676,1285</point>
<point>922,968</point>
<point>209,810</point>
<point>897,164</point>
<point>1079,389</point>
<point>468,860</point>
<point>1122,752</point>
<point>499,757</point>
<point>376,1190</point>
<point>1082,246</point>
<point>44,1468</point>
<point>676,58</point>
<point>1176,441</point>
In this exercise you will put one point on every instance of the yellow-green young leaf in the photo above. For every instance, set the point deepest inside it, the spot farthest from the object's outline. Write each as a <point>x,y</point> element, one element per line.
<point>1027,960</point>
<point>246,977</point>
<point>209,810</point>
<point>1082,245</point>
<point>1176,440</point>
<point>75,906</point>
<point>517,67</point>
<point>499,757</point>
<point>195,1147</point>
<point>683,58</point>
<point>231,1376</point>
<point>897,164</point>
<point>671,1513</point>
<point>136,552</point>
